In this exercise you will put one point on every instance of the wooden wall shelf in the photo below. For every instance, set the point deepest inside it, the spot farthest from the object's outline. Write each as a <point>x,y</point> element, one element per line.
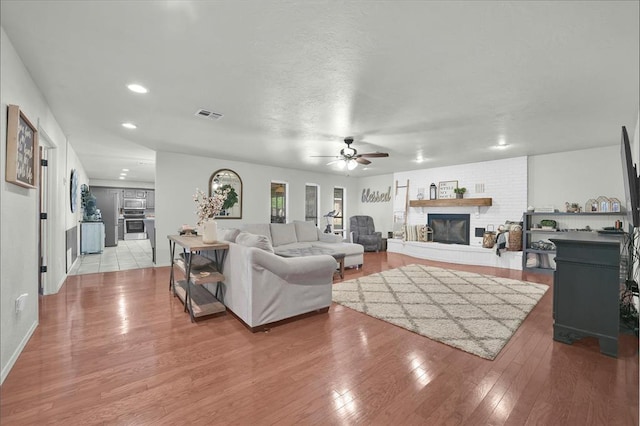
<point>452,202</point>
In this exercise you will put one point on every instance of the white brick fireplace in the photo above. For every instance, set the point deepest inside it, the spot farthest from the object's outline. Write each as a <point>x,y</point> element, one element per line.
<point>504,181</point>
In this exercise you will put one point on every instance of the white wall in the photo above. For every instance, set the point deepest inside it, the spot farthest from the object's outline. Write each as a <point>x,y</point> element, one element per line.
<point>19,221</point>
<point>576,176</point>
<point>381,212</point>
<point>178,176</point>
<point>505,181</point>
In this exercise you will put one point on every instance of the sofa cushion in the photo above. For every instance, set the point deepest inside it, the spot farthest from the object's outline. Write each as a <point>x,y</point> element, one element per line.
<point>346,248</point>
<point>257,229</point>
<point>228,234</point>
<point>292,246</point>
<point>329,238</point>
<point>305,231</point>
<point>283,233</point>
<point>253,240</point>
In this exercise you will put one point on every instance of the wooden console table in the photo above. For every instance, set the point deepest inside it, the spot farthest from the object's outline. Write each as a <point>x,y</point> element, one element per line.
<point>198,301</point>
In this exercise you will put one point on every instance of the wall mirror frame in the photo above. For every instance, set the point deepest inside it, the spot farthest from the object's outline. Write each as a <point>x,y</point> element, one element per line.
<point>226,178</point>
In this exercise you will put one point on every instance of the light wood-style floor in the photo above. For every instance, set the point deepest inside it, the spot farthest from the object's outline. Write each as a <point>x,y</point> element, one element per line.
<point>117,348</point>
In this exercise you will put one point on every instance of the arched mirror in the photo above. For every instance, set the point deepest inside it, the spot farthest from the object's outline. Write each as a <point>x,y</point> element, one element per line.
<point>223,179</point>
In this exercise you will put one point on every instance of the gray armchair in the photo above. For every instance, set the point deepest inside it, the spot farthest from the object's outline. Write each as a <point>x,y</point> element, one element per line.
<point>362,231</point>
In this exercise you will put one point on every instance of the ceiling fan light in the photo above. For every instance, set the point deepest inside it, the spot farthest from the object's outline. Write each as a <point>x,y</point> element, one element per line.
<point>352,164</point>
<point>341,163</point>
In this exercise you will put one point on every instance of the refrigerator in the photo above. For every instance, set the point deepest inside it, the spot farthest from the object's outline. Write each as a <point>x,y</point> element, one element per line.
<point>107,202</point>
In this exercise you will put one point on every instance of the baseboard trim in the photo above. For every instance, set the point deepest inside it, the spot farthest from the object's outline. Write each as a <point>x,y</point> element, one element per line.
<point>14,357</point>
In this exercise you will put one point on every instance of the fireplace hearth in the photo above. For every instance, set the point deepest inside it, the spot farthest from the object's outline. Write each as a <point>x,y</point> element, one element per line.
<point>450,228</point>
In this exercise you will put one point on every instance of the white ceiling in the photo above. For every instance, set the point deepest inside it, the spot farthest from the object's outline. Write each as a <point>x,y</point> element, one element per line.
<point>445,80</point>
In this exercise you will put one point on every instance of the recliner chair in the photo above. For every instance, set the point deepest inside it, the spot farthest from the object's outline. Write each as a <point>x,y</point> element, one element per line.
<point>362,231</point>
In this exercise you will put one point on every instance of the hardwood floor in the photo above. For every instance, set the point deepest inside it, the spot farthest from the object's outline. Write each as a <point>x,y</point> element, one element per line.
<point>117,348</point>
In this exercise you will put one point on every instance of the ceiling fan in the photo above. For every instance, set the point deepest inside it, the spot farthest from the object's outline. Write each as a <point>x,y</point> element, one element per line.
<point>350,158</point>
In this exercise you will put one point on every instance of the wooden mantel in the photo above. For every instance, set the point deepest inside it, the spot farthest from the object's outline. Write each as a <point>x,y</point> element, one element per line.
<point>452,202</point>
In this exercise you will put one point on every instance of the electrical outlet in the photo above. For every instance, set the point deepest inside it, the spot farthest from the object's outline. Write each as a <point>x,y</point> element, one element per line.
<point>20,302</point>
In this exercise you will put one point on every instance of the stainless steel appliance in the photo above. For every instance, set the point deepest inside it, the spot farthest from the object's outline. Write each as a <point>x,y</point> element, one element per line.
<point>134,224</point>
<point>135,203</point>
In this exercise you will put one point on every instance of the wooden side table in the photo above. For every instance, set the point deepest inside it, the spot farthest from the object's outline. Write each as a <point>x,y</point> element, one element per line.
<point>197,300</point>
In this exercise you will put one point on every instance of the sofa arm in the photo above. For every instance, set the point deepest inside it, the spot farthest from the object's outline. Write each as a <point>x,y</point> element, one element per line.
<point>329,238</point>
<point>299,270</point>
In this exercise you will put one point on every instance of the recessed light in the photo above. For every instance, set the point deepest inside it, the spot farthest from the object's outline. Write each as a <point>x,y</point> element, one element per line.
<point>121,177</point>
<point>125,170</point>
<point>501,146</point>
<point>123,174</point>
<point>137,88</point>
<point>129,125</point>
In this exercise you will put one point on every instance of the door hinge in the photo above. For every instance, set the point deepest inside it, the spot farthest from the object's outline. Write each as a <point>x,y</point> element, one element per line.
<point>44,162</point>
<point>43,269</point>
<point>43,216</point>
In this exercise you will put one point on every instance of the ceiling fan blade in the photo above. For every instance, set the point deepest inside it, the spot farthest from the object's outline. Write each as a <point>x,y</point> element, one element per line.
<point>363,161</point>
<point>374,155</point>
<point>333,162</point>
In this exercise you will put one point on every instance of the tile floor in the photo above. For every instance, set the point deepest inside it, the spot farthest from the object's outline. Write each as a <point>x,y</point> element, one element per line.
<point>131,254</point>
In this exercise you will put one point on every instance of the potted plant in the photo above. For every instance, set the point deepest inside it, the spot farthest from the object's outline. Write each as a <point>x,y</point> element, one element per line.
<point>460,192</point>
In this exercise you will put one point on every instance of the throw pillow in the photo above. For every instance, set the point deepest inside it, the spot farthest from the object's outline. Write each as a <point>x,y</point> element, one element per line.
<point>283,233</point>
<point>257,229</point>
<point>305,231</point>
<point>253,240</point>
<point>410,233</point>
<point>229,234</point>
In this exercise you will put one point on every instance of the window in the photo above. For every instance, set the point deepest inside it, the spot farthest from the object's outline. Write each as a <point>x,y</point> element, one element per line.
<point>311,203</point>
<point>338,206</point>
<point>278,202</point>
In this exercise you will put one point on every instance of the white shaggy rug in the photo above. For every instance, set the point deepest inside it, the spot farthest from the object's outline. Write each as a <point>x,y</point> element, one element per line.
<point>469,311</point>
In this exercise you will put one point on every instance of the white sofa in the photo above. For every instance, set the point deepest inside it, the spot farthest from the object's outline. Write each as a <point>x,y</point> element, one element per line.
<point>287,236</point>
<point>261,288</point>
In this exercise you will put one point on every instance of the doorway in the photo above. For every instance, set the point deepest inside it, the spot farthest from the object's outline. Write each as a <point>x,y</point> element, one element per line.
<point>45,206</point>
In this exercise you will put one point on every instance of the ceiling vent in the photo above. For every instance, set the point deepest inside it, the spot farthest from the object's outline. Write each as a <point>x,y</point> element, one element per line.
<point>208,114</point>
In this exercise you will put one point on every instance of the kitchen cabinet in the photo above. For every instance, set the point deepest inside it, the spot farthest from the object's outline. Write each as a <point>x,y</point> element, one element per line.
<point>151,199</point>
<point>91,237</point>
<point>120,229</point>
<point>135,193</point>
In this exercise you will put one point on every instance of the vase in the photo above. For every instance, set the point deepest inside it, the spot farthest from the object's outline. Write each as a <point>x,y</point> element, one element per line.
<point>209,231</point>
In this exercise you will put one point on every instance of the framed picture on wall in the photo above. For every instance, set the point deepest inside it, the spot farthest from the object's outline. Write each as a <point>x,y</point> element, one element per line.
<point>445,189</point>
<point>22,149</point>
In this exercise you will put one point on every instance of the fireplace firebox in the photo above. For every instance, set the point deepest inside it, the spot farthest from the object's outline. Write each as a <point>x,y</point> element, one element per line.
<point>450,228</point>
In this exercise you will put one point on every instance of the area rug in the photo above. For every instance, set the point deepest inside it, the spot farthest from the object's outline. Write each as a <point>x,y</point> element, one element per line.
<point>469,311</point>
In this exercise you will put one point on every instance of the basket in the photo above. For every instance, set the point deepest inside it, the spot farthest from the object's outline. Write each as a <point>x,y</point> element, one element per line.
<point>489,237</point>
<point>515,240</point>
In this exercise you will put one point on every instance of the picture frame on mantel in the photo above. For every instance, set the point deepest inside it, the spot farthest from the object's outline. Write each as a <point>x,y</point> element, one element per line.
<point>22,149</point>
<point>445,189</point>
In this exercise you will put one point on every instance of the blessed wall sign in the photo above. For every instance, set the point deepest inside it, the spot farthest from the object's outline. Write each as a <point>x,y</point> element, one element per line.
<point>369,196</point>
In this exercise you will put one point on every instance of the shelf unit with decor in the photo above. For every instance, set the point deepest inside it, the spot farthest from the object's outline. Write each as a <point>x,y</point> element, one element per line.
<point>568,225</point>
<point>191,291</point>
